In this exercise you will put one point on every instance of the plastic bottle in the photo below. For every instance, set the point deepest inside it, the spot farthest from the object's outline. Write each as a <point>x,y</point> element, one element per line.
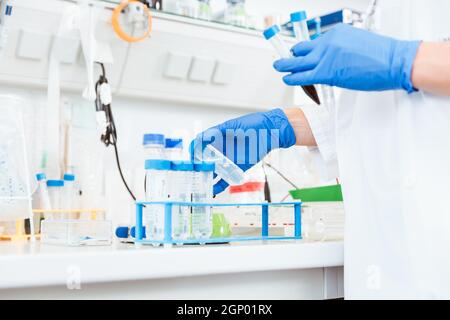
<point>300,25</point>
<point>156,190</point>
<point>235,13</point>
<point>69,195</point>
<point>174,149</point>
<point>55,192</point>
<point>202,192</point>
<point>246,216</point>
<point>224,167</point>
<point>153,146</point>
<point>44,199</point>
<point>204,10</point>
<point>189,8</point>
<point>181,177</point>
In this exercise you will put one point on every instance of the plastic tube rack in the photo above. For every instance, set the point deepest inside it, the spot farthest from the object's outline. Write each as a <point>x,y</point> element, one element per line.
<point>168,239</point>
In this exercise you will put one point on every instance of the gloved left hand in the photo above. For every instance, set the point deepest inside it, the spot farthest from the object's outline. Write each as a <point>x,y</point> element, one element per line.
<point>246,140</point>
<point>352,58</point>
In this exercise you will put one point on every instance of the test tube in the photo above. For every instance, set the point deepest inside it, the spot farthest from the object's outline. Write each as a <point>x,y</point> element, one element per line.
<point>181,176</point>
<point>69,195</point>
<point>224,167</point>
<point>153,146</point>
<point>156,191</point>
<point>44,199</point>
<point>174,149</point>
<point>202,192</point>
<point>300,25</point>
<point>272,34</point>
<point>55,188</point>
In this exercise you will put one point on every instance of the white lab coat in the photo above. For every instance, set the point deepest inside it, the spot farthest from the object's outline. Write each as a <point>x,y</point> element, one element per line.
<point>393,154</point>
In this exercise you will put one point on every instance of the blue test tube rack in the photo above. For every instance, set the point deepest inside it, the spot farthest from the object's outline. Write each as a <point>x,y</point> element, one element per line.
<point>168,239</point>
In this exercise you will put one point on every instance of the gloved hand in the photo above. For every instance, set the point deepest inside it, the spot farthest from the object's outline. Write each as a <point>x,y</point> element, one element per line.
<point>352,58</point>
<point>246,140</point>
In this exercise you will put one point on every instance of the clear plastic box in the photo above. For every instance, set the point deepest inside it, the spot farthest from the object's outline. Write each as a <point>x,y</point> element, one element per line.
<point>77,232</point>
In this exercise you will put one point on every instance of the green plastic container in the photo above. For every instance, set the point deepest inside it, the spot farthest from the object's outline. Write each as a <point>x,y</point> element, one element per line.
<point>221,226</point>
<point>320,194</point>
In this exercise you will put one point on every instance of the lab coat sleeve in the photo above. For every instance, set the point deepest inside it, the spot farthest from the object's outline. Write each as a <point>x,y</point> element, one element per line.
<point>324,155</point>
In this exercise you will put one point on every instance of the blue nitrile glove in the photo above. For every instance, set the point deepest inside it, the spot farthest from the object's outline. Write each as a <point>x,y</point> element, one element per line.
<point>352,58</point>
<point>246,140</point>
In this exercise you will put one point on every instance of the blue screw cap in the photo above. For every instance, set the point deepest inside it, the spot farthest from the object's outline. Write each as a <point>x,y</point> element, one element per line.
<point>69,177</point>
<point>298,16</point>
<point>174,143</point>
<point>122,232</point>
<point>205,167</point>
<point>271,32</point>
<point>182,166</point>
<point>133,232</point>
<point>154,138</point>
<point>157,165</point>
<point>55,183</point>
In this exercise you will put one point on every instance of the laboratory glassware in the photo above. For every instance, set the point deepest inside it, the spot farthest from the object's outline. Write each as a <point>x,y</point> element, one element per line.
<point>272,34</point>
<point>301,31</point>
<point>323,221</point>
<point>44,199</point>
<point>189,8</point>
<point>300,25</point>
<point>235,13</point>
<point>153,146</point>
<point>181,178</point>
<point>246,219</point>
<point>156,190</point>
<point>202,192</point>
<point>69,195</point>
<point>55,192</point>
<point>15,184</point>
<point>77,232</point>
<point>224,167</point>
<point>204,9</point>
<point>174,149</point>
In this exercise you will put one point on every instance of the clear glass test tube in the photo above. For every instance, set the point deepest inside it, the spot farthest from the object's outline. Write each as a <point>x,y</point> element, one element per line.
<point>300,25</point>
<point>272,35</point>
<point>55,188</point>
<point>156,191</point>
<point>181,177</point>
<point>202,192</point>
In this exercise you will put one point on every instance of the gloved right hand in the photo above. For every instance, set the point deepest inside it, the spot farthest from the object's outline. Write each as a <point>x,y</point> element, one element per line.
<point>246,140</point>
<point>352,58</point>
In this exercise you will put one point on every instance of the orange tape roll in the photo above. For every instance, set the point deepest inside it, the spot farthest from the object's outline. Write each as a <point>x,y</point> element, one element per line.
<point>118,29</point>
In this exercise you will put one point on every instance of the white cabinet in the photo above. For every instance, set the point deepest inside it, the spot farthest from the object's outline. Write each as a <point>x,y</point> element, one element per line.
<point>184,60</point>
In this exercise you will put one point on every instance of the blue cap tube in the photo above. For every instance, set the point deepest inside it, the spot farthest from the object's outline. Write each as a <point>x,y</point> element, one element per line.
<point>271,32</point>
<point>298,16</point>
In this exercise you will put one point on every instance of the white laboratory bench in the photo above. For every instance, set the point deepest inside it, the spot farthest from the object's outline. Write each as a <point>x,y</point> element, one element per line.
<point>276,270</point>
